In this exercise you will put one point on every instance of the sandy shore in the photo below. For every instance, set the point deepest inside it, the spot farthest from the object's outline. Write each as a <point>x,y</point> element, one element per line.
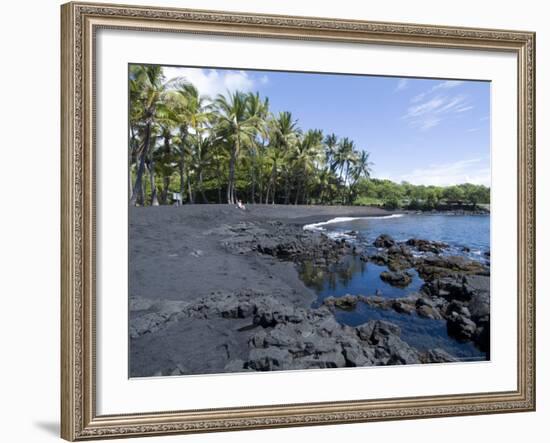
<point>180,254</point>
<point>176,252</point>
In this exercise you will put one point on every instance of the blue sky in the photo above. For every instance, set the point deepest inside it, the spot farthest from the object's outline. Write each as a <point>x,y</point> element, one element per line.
<point>420,130</point>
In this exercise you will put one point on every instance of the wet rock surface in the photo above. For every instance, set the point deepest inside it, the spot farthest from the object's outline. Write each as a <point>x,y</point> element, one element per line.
<point>400,279</point>
<point>263,320</point>
<point>456,288</point>
<point>275,336</point>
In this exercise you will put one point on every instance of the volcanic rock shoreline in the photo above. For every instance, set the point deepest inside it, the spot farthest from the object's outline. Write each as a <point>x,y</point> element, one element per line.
<point>214,289</point>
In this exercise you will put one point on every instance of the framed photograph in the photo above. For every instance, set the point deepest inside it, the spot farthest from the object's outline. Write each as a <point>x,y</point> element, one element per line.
<point>283,221</point>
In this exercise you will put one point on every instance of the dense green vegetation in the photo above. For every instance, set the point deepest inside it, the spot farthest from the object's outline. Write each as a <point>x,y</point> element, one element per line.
<point>405,195</point>
<point>231,147</point>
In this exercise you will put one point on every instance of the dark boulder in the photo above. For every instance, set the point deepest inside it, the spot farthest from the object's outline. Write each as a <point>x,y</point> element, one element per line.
<point>460,327</point>
<point>450,288</point>
<point>384,241</point>
<point>427,245</point>
<point>399,279</point>
<point>437,355</point>
<point>268,359</point>
<point>346,302</point>
<point>432,267</point>
<point>403,307</point>
<point>477,287</point>
<point>427,311</point>
<point>482,337</point>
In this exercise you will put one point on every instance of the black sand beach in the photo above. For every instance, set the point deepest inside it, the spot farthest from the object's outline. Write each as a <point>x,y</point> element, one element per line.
<point>216,289</point>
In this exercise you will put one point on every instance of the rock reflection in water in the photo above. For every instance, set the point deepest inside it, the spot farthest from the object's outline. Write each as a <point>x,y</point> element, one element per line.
<point>352,276</point>
<point>356,277</point>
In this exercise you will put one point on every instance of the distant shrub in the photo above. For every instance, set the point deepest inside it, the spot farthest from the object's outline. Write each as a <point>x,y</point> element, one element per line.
<point>367,201</point>
<point>391,203</point>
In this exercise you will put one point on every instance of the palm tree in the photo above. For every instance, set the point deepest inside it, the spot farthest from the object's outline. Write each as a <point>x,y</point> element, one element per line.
<point>148,93</point>
<point>165,162</point>
<point>344,159</point>
<point>259,108</point>
<point>331,146</point>
<point>361,168</point>
<point>325,180</point>
<point>218,158</point>
<point>145,91</point>
<point>306,157</point>
<point>284,134</point>
<point>201,160</point>
<point>191,113</point>
<point>238,127</point>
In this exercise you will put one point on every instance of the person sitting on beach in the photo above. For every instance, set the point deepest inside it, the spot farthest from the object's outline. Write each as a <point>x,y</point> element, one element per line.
<point>240,205</point>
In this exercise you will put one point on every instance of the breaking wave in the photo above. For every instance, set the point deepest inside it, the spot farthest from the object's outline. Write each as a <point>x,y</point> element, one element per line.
<point>319,226</point>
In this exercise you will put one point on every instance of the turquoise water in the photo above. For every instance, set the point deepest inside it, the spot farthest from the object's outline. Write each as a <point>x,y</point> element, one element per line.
<point>467,235</point>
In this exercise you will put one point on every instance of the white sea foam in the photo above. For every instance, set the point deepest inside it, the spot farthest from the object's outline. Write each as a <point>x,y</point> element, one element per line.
<point>319,226</point>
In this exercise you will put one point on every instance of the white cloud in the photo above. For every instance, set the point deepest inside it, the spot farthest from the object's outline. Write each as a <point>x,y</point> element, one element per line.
<point>264,79</point>
<point>212,82</point>
<point>474,171</point>
<point>401,84</point>
<point>418,97</point>
<point>427,109</point>
<point>431,112</point>
<point>447,84</point>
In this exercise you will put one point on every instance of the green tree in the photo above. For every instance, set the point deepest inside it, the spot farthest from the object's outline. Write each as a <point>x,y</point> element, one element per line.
<point>238,126</point>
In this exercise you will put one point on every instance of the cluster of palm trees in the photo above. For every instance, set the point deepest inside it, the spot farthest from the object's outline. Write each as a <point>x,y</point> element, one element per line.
<point>230,148</point>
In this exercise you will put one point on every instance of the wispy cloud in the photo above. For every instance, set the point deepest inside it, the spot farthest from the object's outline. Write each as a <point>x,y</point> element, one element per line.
<point>212,82</point>
<point>431,112</point>
<point>447,84</point>
<point>401,85</point>
<point>475,170</point>
<point>418,97</point>
<point>429,108</point>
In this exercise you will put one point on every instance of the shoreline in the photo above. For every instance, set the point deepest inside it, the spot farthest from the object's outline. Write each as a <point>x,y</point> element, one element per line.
<point>215,277</point>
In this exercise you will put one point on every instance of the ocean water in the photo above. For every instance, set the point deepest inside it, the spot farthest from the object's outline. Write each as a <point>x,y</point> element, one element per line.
<point>467,235</point>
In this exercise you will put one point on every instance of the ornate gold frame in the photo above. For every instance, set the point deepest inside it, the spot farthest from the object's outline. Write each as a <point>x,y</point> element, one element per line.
<point>79,21</point>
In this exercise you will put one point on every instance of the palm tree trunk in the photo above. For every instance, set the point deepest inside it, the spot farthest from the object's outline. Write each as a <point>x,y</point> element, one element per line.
<point>181,163</point>
<point>260,187</point>
<point>304,186</point>
<point>201,189</point>
<point>231,180</point>
<point>190,189</point>
<point>287,188</point>
<point>346,194</point>
<point>181,167</point>
<point>154,198</point>
<point>134,144</point>
<point>271,182</point>
<point>219,172</point>
<point>164,191</point>
<point>130,187</point>
<point>253,188</point>
<point>137,193</point>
